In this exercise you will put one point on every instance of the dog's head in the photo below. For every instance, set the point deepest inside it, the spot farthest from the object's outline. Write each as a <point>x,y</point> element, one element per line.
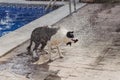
<point>65,34</point>
<point>70,35</point>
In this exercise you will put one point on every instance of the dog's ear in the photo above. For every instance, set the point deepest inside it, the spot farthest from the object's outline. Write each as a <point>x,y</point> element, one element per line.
<point>72,31</point>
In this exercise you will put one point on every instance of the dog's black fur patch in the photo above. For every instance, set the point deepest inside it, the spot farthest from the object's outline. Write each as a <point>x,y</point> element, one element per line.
<point>41,35</point>
<point>70,34</point>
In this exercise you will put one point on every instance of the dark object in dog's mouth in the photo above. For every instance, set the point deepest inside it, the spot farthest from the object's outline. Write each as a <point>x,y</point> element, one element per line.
<point>75,40</point>
<point>70,43</point>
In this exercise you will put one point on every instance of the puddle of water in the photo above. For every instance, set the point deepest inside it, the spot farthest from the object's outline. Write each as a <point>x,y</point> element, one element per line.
<point>22,65</point>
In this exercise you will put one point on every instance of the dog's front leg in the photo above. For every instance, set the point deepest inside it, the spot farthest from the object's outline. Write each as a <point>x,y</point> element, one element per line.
<point>60,54</point>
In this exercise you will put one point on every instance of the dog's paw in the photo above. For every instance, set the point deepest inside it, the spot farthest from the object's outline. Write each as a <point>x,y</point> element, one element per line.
<point>50,60</point>
<point>35,59</point>
<point>61,57</point>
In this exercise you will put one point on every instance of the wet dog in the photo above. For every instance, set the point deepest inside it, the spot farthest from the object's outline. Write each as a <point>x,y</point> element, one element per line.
<point>46,36</point>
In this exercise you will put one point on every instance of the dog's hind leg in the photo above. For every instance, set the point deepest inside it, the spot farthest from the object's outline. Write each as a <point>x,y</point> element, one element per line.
<point>35,53</point>
<point>50,51</point>
<point>43,45</point>
<point>29,47</point>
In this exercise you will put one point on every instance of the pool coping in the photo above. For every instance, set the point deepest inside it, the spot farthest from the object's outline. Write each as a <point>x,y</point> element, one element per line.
<point>30,2</point>
<point>12,40</point>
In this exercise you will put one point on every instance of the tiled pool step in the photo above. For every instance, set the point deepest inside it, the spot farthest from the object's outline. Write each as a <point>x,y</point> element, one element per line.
<point>16,38</point>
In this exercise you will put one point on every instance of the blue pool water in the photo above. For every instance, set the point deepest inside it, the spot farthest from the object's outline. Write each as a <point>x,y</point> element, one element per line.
<point>13,17</point>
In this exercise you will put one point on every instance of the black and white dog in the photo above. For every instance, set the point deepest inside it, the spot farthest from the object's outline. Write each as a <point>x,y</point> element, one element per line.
<point>46,36</point>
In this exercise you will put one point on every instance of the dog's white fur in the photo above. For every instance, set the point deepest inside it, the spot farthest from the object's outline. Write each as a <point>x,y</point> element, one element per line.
<point>58,39</point>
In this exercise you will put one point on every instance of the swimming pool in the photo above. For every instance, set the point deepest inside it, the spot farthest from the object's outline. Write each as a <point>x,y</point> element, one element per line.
<point>14,16</point>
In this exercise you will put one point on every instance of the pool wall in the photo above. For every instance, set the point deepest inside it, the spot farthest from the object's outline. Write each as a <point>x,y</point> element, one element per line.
<point>12,40</point>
